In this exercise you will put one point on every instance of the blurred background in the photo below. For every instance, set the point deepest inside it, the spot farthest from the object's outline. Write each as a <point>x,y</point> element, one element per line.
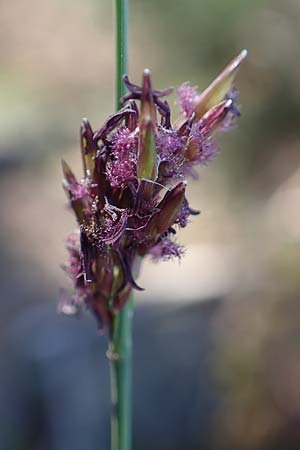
<point>217,337</point>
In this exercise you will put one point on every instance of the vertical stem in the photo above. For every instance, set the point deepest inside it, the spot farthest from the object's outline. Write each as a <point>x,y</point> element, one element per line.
<point>121,14</point>
<point>121,339</point>
<point>121,375</point>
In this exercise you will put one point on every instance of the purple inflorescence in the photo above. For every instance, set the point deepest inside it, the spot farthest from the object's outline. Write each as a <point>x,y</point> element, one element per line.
<point>121,166</point>
<point>186,95</point>
<point>183,214</point>
<point>75,270</point>
<point>74,265</point>
<point>132,197</point>
<point>167,249</point>
<point>204,145</point>
<point>170,149</point>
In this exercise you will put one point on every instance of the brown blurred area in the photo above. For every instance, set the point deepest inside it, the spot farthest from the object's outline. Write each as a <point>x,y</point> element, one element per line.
<point>57,65</point>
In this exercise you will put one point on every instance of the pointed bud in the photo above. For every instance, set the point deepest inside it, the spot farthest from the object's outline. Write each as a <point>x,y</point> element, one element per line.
<point>131,120</point>
<point>167,212</point>
<point>69,181</point>
<point>146,164</point>
<point>147,103</point>
<point>217,90</point>
<point>88,148</point>
<point>69,177</point>
<point>170,207</point>
<point>69,184</point>
<point>112,122</point>
<point>100,181</point>
<point>215,116</point>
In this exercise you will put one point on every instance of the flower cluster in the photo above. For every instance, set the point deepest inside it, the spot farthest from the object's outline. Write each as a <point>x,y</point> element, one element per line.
<point>131,198</point>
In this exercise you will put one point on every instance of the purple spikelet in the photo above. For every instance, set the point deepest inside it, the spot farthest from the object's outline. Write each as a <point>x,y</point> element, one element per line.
<point>132,196</point>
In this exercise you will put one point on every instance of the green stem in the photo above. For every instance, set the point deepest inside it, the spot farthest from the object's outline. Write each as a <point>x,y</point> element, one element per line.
<point>121,14</point>
<point>121,376</point>
<point>121,338</point>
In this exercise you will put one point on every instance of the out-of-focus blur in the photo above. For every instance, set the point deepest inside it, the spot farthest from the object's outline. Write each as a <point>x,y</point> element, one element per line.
<point>217,336</point>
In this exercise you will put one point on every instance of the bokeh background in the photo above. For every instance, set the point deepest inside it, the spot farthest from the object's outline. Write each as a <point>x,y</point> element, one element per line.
<point>217,337</point>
